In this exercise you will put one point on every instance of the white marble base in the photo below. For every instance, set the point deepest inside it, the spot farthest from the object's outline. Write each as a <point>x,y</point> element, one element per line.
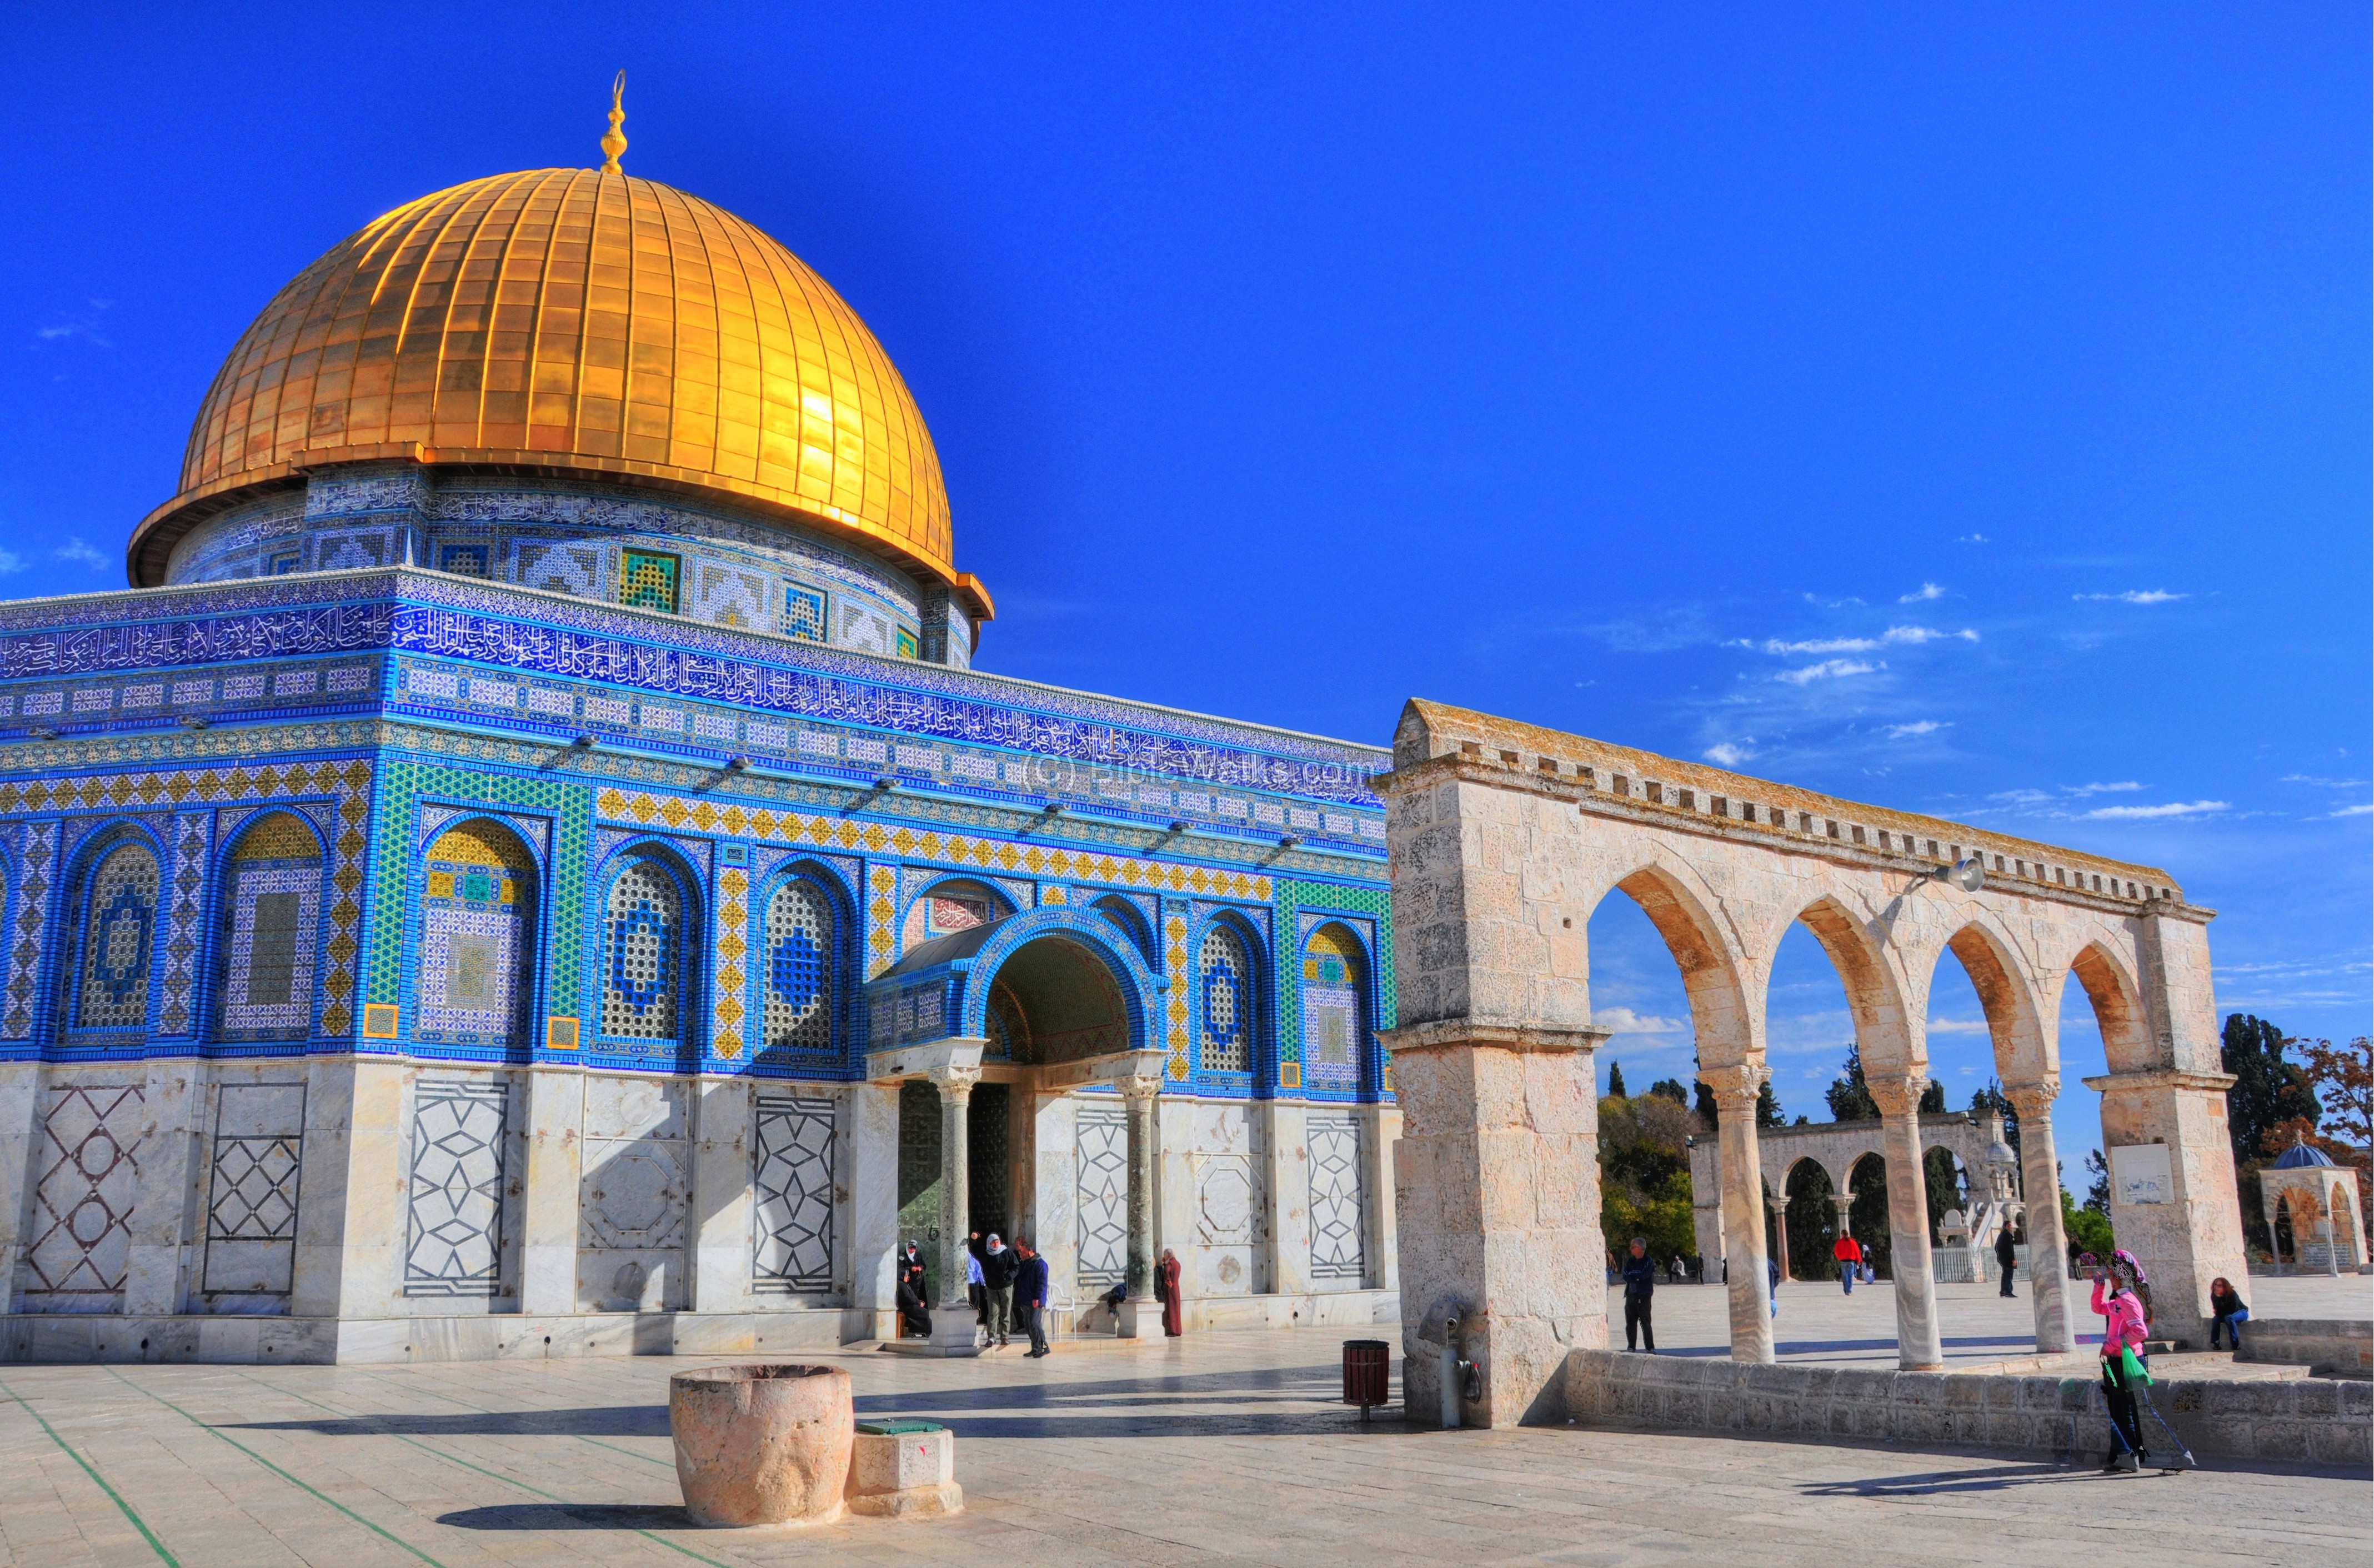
<point>954,1333</point>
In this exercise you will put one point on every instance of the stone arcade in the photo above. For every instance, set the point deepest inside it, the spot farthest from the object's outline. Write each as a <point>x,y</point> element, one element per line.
<point>1504,837</point>
<point>529,868</point>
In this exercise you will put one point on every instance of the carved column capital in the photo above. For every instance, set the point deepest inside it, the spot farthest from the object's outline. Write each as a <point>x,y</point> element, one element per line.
<point>1897,1094</point>
<point>1735,1088</point>
<point>1138,1088</point>
<point>2033,1101</point>
<point>954,1083</point>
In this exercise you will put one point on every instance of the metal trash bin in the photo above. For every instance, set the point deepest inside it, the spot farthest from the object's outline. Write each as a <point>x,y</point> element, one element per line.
<point>1367,1373</point>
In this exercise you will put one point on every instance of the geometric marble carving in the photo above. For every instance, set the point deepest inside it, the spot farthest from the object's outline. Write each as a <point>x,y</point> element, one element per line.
<point>82,1200</point>
<point>1336,1220</point>
<point>1104,1194</point>
<point>251,1205</point>
<point>456,1199</point>
<point>792,1175</point>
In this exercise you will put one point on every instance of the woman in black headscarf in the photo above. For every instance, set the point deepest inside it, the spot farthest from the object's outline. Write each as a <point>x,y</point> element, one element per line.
<point>913,1309</point>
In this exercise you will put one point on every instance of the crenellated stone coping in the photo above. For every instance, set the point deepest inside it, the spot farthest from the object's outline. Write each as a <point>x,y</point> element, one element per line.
<point>2311,1421</point>
<point>1619,781</point>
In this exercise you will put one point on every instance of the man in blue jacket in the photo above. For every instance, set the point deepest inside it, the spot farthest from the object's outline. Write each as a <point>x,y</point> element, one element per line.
<point>1031,1295</point>
<point>1639,1285</point>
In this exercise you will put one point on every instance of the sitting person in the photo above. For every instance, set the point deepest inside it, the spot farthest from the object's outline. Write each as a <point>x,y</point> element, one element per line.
<point>2227,1314</point>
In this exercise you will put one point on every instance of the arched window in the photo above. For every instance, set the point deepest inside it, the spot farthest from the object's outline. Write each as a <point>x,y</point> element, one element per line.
<point>272,924</point>
<point>642,954</point>
<point>798,1011</point>
<point>1225,993</point>
<point>477,937</point>
<point>119,937</point>
<point>1334,980</point>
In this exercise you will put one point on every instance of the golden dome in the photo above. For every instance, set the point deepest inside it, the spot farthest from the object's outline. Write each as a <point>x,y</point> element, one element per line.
<point>572,321</point>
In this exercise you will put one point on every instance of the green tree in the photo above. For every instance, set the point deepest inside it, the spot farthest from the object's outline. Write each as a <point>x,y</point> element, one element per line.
<point>1706,1106</point>
<point>2267,1090</point>
<point>2087,1230</point>
<point>1644,1173</point>
<point>1615,1079</point>
<point>1768,1107</point>
<point>2342,1079</point>
<point>2098,1191</point>
<point>1849,1095</point>
<point>1993,1098</point>
<point>1671,1089</point>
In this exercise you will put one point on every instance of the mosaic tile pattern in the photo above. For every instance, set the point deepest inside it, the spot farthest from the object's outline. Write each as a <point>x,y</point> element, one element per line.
<point>36,869</point>
<point>191,837</point>
<point>558,568</point>
<point>275,902</point>
<point>733,946</point>
<point>477,937</point>
<point>798,977</point>
<point>1337,1220</point>
<point>792,1176</point>
<point>346,780</point>
<point>1334,975</point>
<point>1299,906</point>
<point>455,1203</point>
<point>89,1174</point>
<point>728,595</point>
<point>1103,1144</point>
<point>881,914</point>
<point>1174,954</point>
<point>119,937</point>
<point>1223,996</point>
<point>642,958</point>
<point>804,613</point>
<point>649,580</point>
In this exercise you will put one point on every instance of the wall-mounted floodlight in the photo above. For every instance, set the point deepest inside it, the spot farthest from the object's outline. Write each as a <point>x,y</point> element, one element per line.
<point>737,764</point>
<point>193,721</point>
<point>42,732</point>
<point>1967,875</point>
<point>582,743</point>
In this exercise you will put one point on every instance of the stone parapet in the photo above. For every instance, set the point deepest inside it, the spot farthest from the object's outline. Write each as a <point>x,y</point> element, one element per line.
<point>2334,1346</point>
<point>2312,1421</point>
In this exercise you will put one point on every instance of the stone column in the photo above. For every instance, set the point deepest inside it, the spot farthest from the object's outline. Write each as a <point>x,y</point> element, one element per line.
<point>1286,1188</point>
<point>1137,1092</point>
<point>2048,1247</point>
<point>1742,1168</point>
<point>166,1203</point>
<point>24,1096</point>
<point>720,1214</point>
<point>1775,1205</point>
<point>1380,1129</point>
<point>1497,1199</point>
<point>555,1152</point>
<point>1918,1347</point>
<point>874,1208</point>
<point>955,1084</point>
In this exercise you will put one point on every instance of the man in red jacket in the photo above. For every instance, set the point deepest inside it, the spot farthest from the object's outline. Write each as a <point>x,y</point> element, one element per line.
<point>1848,1252</point>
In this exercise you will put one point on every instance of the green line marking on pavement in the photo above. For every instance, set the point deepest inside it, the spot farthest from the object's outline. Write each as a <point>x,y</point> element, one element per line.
<point>551,1497</point>
<point>276,1470</point>
<point>92,1471</point>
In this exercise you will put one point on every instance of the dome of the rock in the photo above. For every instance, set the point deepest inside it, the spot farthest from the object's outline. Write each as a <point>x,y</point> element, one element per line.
<point>579,324</point>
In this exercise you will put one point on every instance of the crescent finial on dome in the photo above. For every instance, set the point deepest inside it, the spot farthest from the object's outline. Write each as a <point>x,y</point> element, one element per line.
<point>613,140</point>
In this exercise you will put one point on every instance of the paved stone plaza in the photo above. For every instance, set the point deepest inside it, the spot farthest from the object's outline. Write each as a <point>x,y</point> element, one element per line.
<point>1223,1448</point>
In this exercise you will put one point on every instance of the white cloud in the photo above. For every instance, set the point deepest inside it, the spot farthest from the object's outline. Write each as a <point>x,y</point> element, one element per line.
<point>1926,591</point>
<point>2355,811</point>
<point>2023,796</point>
<point>2151,813</point>
<point>1731,753</point>
<point>80,552</point>
<point>2137,596</point>
<point>1972,539</point>
<point>1624,1020</point>
<point>1957,1026</point>
<point>11,562</point>
<point>1894,634</point>
<point>1826,669</point>
<point>2086,789</point>
<point>1921,726</point>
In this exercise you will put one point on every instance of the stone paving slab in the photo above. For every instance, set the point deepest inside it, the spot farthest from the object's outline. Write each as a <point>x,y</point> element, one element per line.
<point>1219,1449</point>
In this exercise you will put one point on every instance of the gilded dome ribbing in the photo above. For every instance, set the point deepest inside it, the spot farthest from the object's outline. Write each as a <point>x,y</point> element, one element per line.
<point>572,321</point>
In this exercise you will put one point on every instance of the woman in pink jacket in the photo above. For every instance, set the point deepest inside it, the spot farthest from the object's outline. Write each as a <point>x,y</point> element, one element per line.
<point>2126,1324</point>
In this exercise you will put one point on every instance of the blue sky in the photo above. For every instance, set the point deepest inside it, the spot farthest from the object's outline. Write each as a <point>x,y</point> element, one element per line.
<point>1964,413</point>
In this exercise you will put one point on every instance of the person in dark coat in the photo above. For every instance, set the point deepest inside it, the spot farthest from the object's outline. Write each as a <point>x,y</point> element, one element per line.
<point>1640,1288</point>
<point>2226,1313</point>
<point>913,1294</point>
<point>998,1265</point>
<point>1031,1295</point>
<point>1166,1285</point>
<point>2006,1259</point>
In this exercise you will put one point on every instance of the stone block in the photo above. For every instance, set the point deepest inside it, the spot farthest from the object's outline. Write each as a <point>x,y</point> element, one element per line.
<point>1965,1393</point>
<point>2315,1399</point>
<point>2341,1443</point>
<point>898,1473</point>
<point>1920,1390</point>
<point>2357,1399</point>
<point>2278,1440</point>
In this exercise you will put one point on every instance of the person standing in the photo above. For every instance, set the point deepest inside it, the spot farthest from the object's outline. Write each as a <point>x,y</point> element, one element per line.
<point>1772,1276</point>
<point>976,1290</point>
<point>2126,1319</point>
<point>1031,1295</point>
<point>2006,1257</point>
<point>913,1298</point>
<point>1166,1285</point>
<point>1639,1291</point>
<point>1848,1252</point>
<point>998,1265</point>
